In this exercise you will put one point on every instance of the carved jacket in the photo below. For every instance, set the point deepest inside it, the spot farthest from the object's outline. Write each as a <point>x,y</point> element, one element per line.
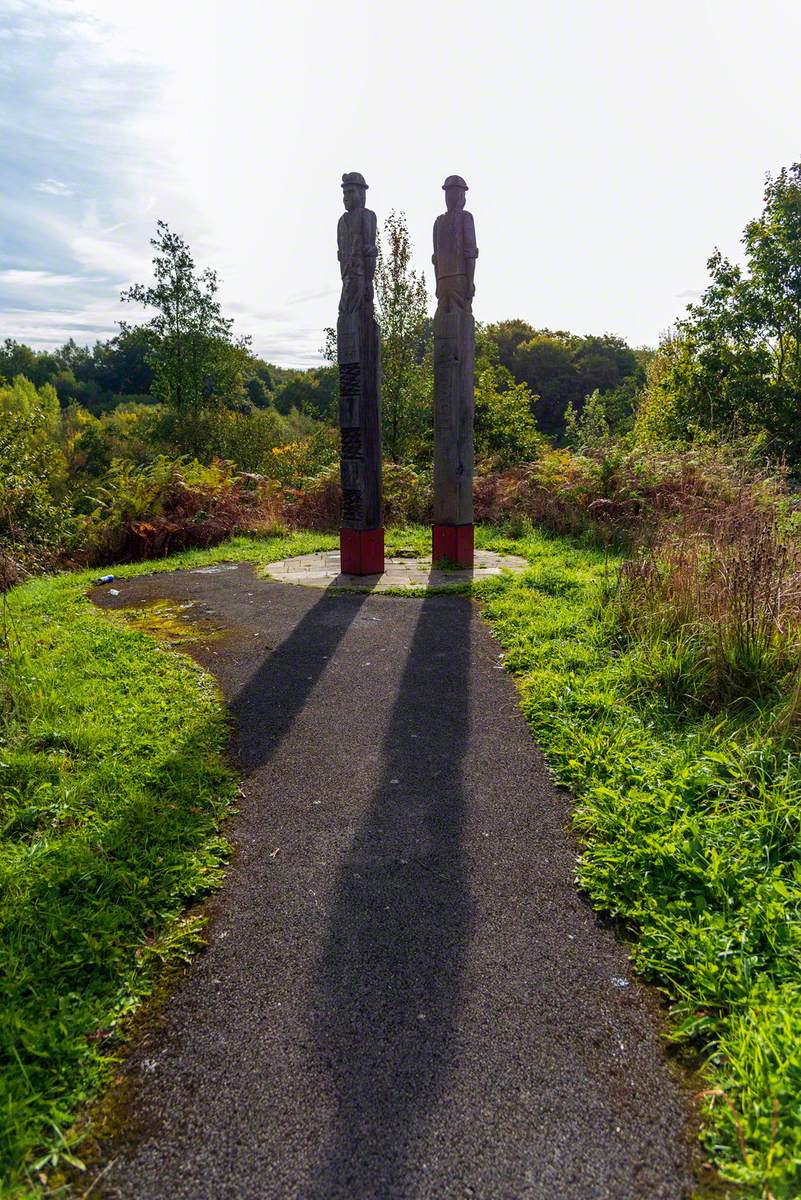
<point>454,243</point>
<point>356,241</point>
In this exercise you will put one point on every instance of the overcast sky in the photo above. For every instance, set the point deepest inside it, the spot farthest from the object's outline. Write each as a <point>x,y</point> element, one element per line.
<point>609,147</point>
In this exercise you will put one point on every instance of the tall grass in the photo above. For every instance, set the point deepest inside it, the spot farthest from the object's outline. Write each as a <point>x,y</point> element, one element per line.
<point>714,602</point>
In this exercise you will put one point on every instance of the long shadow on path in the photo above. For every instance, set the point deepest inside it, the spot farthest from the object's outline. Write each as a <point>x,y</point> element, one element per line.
<point>390,974</point>
<point>307,627</point>
<point>409,1000</point>
<point>266,706</point>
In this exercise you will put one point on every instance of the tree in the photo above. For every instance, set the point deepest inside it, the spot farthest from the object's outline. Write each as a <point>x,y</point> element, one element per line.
<point>507,336</point>
<point>545,364</point>
<point>32,519</point>
<point>734,362</point>
<point>659,421</point>
<point>313,392</point>
<point>19,359</point>
<point>122,365</point>
<point>197,364</point>
<point>505,430</point>
<point>587,428</point>
<point>259,384</point>
<point>602,363</point>
<point>402,302</point>
<point>561,369</point>
<point>75,358</point>
<point>96,379</point>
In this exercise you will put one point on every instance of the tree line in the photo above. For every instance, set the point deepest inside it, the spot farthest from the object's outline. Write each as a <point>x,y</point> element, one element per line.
<point>187,359</point>
<point>120,371</point>
<point>730,367</point>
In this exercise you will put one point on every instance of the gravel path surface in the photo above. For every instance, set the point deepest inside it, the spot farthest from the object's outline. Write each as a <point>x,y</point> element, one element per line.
<point>409,1001</point>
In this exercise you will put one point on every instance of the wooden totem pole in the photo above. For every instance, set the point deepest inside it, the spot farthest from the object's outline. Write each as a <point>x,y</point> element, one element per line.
<point>454,259</point>
<point>361,537</point>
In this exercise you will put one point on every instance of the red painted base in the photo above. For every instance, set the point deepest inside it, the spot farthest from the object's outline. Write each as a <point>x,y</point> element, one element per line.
<point>454,542</point>
<point>361,551</point>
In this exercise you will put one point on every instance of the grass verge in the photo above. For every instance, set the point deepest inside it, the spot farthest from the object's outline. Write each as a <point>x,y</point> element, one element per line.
<point>113,787</point>
<point>691,826</point>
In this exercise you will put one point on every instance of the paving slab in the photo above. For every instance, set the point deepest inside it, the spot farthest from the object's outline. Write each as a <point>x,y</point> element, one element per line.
<point>322,570</point>
<point>403,996</point>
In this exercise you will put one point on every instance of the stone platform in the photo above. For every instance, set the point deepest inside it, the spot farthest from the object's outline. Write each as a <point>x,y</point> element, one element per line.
<point>321,570</point>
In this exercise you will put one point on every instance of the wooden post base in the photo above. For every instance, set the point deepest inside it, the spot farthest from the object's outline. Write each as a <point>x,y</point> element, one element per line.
<point>454,543</point>
<point>361,551</point>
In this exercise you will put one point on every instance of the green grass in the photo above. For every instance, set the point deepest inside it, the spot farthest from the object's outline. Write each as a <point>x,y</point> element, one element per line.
<point>112,790</point>
<point>114,787</point>
<point>691,827</point>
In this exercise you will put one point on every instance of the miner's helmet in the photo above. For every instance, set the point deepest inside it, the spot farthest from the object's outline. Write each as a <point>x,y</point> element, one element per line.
<point>454,181</point>
<point>353,179</point>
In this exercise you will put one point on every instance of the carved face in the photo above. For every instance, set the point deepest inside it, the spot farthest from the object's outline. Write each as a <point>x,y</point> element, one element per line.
<point>353,196</point>
<point>454,198</point>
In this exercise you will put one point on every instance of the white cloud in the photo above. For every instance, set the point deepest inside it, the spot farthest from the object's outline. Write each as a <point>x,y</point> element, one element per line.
<point>314,294</point>
<point>53,187</point>
<point>118,260</point>
<point>52,327</point>
<point>39,279</point>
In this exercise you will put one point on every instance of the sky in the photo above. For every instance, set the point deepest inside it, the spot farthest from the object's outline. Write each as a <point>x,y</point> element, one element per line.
<point>608,147</point>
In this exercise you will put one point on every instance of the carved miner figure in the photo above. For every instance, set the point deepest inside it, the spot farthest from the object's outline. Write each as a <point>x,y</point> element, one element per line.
<point>455,250</point>
<point>454,259</point>
<point>356,242</point>
<point>361,536</point>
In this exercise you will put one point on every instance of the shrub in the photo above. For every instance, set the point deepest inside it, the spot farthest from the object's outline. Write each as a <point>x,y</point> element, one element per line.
<point>316,505</point>
<point>407,495</point>
<point>92,443</point>
<point>168,505</point>
<point>505,429</point>
<point>11,572</point>
<point>588,426</point>
<point>302,462</point>
<point>247,438</point>
<point>556,491</point>
<point>34,522</point>
<point>621,495</point>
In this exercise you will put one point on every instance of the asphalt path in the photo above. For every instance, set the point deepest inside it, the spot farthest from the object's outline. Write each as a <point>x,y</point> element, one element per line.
<point>403,997</point>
